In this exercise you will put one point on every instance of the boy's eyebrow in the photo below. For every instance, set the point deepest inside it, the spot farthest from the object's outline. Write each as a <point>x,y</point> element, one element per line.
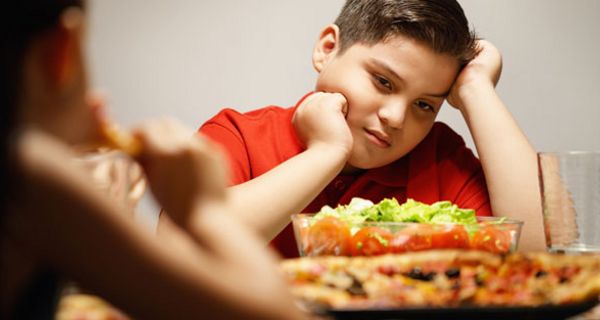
<point>393,73</point>
<point>438,95</point>
<point>387,69</point>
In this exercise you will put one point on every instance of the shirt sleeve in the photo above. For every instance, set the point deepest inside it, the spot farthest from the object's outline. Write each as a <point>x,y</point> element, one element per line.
<point>226,135</point>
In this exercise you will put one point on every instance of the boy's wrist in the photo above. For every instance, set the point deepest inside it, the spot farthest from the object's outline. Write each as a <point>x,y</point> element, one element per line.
<point>333,152</point>
<point>470,95</point>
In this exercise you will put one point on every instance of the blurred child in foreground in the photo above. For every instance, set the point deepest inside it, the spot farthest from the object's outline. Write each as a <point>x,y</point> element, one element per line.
<point>55,224</point>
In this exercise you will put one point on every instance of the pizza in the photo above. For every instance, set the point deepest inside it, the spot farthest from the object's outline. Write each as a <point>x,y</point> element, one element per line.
<point>116,138</point>
<point>443,278</point>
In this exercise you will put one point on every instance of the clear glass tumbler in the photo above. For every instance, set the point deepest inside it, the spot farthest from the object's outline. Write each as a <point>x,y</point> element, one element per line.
<point>570,187</point>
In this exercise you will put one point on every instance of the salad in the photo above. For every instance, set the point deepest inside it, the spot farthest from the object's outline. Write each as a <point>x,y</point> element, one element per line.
<point>389,210</point>
<point>365,228</point>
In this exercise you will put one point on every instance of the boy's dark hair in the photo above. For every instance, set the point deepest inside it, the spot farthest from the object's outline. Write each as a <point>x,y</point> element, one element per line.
<point>440,24</point>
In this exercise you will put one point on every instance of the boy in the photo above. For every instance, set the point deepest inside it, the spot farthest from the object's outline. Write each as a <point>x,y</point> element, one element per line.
<point>385,68</point>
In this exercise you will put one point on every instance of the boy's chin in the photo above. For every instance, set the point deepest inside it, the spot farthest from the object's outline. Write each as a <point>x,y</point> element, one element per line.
<point>356,166</point>
<point>350,169</point>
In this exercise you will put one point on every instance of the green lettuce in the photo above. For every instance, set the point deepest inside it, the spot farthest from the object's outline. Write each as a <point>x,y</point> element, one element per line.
<point>389,210</point>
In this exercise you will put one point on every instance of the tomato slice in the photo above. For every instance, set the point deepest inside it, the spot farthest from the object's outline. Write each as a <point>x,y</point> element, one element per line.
<point>328,236</point>
<point>492,239</point>
<point>413,238</point>
<point>370,241</point>
<point>449,237</point>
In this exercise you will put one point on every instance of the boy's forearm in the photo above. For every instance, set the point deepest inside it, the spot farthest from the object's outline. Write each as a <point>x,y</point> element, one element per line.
<point>508,160</point>
<point>266,202</point>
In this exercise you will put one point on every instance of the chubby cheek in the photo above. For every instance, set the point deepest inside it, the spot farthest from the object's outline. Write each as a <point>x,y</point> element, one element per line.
<point>358,118</point>
<point>349,82</point>
<point>362,109</point>
<point>83,126</point>
<point>353,119</point>
<point>89,130</point>
<point>412,135</point>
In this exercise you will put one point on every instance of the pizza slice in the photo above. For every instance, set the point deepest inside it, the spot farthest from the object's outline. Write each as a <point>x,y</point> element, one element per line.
<point>449,278</point>
<point>116,138</point>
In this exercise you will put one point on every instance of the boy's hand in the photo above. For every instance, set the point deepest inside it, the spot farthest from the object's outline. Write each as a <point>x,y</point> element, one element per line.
<point>484,70</point>
<point>320,120</point>
<point>182,168</point>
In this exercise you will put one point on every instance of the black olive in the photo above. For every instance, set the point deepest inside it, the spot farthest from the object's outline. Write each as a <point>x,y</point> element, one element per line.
<point>417,274</point>
<point>540,274</point>
<point>479,282</point>
<point>356,288</point>
<point>428,276</point>
<point>414,273</point>
<point>453,273</point>
<point>563,279</point>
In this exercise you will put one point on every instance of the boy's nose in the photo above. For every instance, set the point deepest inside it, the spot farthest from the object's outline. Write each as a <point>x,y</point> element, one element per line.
<point>393,114</point>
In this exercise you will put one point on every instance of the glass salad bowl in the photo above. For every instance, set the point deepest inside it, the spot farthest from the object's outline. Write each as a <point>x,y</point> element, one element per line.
<point>362,228</point>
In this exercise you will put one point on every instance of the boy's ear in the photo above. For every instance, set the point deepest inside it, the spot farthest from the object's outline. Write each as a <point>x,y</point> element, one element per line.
<point>62,56</point>
<point>326,47</point>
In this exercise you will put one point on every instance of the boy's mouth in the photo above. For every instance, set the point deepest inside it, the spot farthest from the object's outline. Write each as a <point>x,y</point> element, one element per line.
<point>378,138</point>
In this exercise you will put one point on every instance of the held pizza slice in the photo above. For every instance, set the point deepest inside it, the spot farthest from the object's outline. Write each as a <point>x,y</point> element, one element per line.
<point>119,139</point>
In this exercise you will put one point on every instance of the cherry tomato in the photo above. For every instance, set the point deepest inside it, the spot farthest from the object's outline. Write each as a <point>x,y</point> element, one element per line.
<point>449,236</point>
<point>492,239</point>
<point>415,238</point>
<point>370,241</point>
<point>328,236</point>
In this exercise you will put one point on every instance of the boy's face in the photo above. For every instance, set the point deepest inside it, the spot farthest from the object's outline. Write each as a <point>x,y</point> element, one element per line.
<point>394,90</point>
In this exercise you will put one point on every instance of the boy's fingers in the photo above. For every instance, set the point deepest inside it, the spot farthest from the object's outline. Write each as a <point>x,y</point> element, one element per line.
<point>342,102</point>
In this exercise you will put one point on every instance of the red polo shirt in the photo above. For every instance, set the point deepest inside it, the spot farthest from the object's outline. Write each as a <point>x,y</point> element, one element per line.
<point>441,167</point>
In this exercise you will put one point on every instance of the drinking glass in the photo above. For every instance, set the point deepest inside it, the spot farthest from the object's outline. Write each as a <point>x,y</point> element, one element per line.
<point>570,189</point>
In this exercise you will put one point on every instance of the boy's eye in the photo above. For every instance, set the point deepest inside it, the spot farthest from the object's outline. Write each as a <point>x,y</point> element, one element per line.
<point>425,106</point>
<point>383,82</point>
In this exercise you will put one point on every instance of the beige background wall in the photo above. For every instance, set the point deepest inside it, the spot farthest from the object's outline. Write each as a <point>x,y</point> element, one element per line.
<point>188,59</point>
